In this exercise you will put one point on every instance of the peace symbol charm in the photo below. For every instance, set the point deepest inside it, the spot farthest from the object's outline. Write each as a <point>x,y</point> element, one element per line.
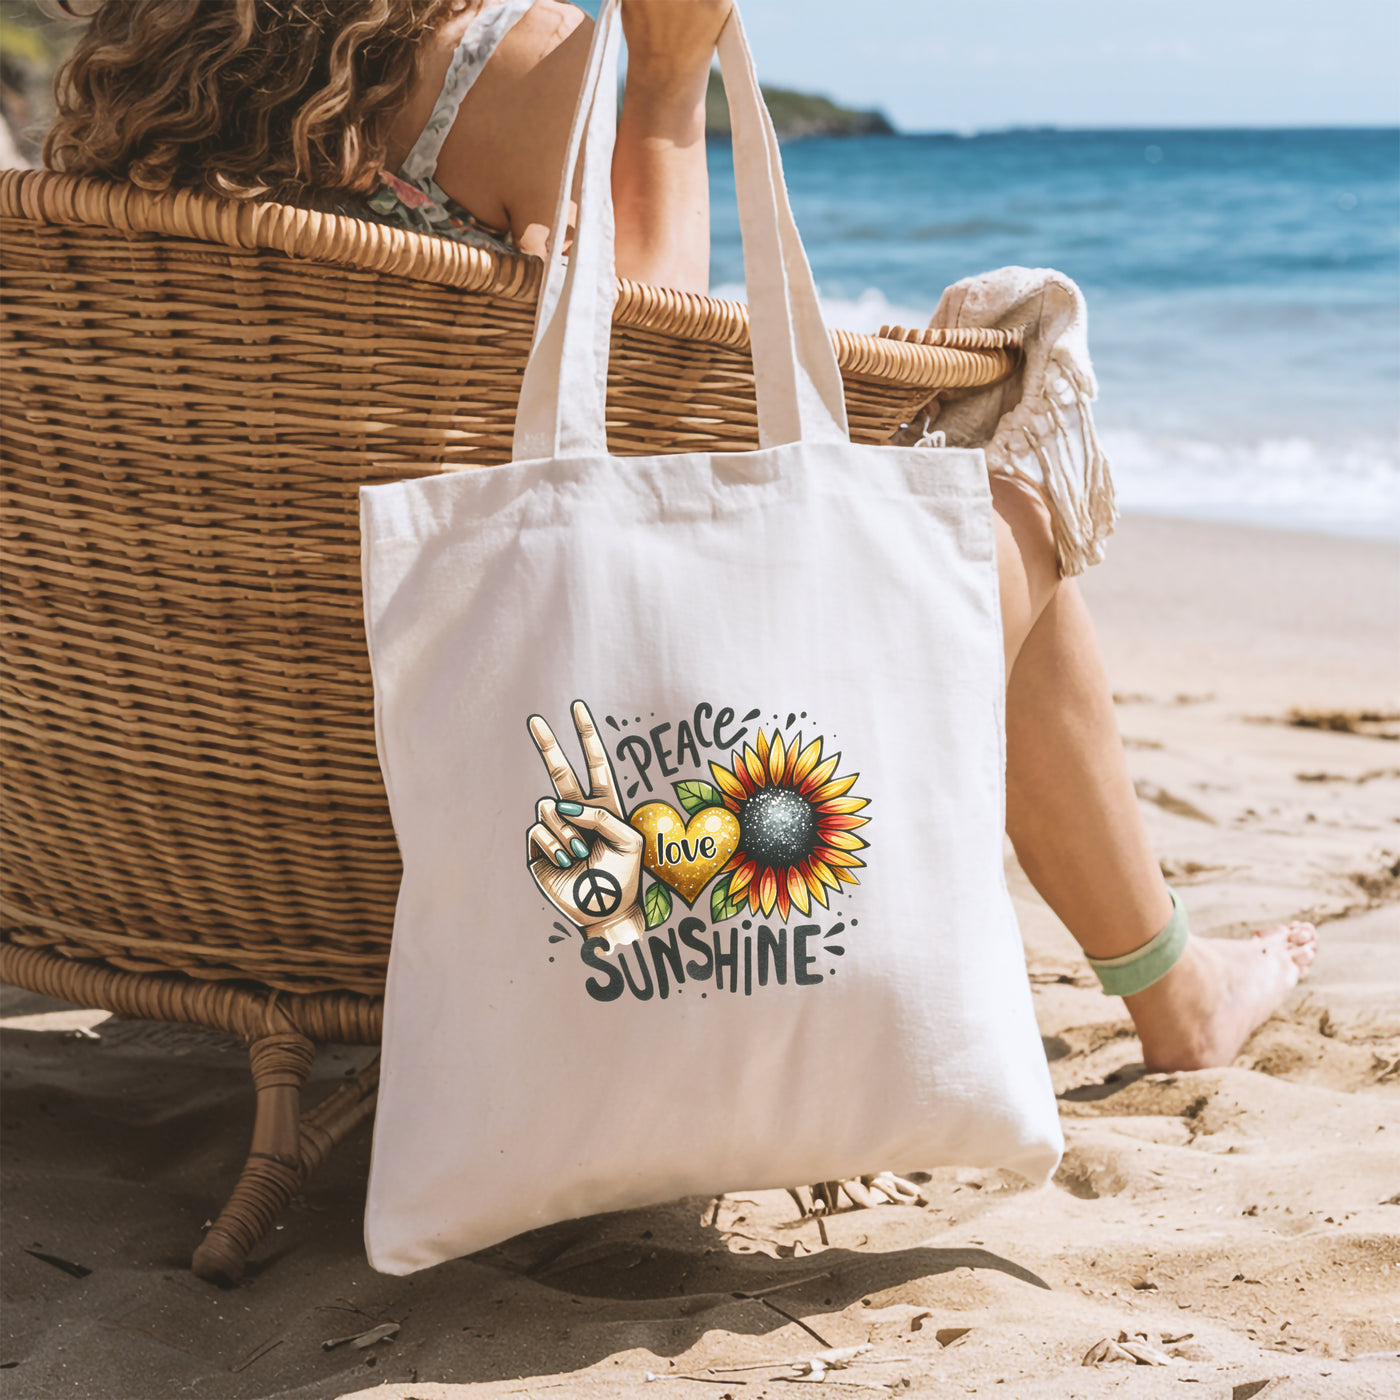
<point>598,893</point>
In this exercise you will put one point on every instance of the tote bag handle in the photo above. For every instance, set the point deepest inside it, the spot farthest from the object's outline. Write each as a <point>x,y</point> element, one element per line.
<point>797,380</point>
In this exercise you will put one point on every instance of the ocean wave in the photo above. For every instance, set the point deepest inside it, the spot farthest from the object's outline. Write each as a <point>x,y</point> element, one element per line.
<point>1347,488</point>
<point>865,313</point>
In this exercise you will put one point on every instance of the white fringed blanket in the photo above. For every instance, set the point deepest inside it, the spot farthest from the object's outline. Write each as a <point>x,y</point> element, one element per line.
<point>1037,425</point>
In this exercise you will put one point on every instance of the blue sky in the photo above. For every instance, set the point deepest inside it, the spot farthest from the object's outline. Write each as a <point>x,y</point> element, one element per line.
<point>946,65</point>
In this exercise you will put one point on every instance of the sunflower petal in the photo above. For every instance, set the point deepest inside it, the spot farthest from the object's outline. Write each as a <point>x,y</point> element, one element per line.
<point>743,877</point>
<point>794,749</point>
<point>762,747</point>
<point>835,788</point>
<point>823,872</point>
<point>817,891</point>
<point>806,761</point>
<point>741,773</point>
<point>820,774</point>
<point>728,784</point>
<point>847,877</point>
<point>836,822</point>
<point>797,890</point>
<point>767,890</point>
<point>843,806</point>
<point>757,772</point>
<point>844,840</point>
<point>784,904</point>
<point>777,759</point>
<point>842,858</point>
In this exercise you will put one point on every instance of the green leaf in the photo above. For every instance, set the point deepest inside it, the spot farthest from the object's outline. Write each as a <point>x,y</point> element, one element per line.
<point>695,794</point>
<point>719,898</point>
<point>657,905</point>
<point>721,907</point>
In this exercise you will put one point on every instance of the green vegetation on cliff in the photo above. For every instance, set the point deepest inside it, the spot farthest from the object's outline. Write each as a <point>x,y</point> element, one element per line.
<point>796,114</point>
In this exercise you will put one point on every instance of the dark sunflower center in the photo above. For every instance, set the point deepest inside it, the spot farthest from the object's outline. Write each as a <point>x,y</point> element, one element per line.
<point>777,827</point>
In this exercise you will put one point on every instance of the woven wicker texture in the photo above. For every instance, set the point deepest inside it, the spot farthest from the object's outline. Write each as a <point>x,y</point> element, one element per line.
<point>194,391</point>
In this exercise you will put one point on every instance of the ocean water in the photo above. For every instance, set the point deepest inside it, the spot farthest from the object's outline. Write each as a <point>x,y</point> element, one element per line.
<point>1243,292</point>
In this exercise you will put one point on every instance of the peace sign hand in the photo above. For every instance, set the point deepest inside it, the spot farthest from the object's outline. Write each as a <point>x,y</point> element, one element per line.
<point>582,854</point>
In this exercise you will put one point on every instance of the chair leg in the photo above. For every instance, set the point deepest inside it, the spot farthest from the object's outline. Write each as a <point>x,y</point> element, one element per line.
<point>287,1147</point>
<point>337,1115</point>
<point>273,1173</point>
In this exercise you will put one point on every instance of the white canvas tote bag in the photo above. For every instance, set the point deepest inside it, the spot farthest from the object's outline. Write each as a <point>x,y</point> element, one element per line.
<point>696,764</point>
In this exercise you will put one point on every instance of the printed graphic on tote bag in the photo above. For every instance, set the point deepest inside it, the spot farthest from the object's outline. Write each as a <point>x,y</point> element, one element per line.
<point>774,833</point>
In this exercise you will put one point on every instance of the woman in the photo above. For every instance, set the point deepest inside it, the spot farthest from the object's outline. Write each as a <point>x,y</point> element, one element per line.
<point>316,100</point>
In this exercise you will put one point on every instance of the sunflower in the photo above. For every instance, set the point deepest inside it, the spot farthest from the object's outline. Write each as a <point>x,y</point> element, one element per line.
<point>797,825</point>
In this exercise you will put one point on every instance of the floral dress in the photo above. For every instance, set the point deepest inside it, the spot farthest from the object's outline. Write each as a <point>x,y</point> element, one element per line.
<point>412,198</point>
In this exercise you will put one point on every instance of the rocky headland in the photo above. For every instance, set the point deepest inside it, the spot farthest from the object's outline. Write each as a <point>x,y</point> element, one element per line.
<point>797,114</point>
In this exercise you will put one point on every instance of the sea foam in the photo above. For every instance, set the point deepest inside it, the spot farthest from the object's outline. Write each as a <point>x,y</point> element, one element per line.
<point>1349,488</point>
<point>1289,482</point>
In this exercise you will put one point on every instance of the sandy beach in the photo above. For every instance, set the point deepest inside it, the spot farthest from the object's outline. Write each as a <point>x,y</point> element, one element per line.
<point>1237,1229</point>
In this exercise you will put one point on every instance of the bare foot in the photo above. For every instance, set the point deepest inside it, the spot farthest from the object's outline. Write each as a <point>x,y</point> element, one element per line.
<point>1201,1013</point>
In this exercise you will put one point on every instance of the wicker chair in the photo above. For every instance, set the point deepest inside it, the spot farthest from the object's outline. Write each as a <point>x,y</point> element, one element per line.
<point>194,825</point>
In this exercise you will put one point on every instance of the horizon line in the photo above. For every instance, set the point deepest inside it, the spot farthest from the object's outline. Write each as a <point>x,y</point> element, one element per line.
<point>1032,128</point>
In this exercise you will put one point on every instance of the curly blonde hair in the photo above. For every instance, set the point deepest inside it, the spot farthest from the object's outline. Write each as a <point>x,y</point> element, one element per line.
<point>242,98</point>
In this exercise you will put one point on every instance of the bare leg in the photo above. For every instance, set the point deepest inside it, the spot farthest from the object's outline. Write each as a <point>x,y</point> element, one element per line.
<point>1074,820</point>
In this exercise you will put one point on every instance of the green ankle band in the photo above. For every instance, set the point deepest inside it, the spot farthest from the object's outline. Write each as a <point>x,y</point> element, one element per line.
<point>1138,970</point>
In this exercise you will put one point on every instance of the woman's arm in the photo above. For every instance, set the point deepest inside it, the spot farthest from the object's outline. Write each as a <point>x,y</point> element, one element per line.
<point>661,188</point>
<point>503,156</point>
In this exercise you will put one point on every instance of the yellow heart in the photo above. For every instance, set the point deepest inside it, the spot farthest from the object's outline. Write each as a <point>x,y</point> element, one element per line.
<point>675,852</point>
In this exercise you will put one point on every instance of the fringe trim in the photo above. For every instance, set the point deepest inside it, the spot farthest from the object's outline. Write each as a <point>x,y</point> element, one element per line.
<point>1049,440</point>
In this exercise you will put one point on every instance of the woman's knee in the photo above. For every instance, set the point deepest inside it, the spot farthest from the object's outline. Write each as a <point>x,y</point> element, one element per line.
<point>1027,565</point>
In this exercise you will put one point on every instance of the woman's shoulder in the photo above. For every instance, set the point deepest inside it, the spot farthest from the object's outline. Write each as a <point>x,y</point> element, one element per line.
<point>505,105</point>
<point>536,34</point>
<point>504,152</point>
<point>499,48</point>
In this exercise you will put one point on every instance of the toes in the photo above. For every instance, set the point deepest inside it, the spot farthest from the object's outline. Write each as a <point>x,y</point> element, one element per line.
<point>1293,945</point>
<point>1296,932</point>
<point>1302,945</point>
